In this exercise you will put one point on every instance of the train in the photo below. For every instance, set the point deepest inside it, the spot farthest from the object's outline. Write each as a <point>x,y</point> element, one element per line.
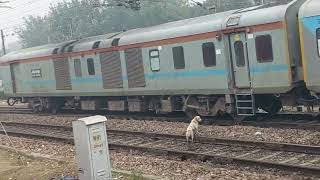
<point>236,62</point>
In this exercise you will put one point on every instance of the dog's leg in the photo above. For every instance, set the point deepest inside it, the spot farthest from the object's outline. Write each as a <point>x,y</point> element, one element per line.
<point>192,137</point>
<point>197,135</point>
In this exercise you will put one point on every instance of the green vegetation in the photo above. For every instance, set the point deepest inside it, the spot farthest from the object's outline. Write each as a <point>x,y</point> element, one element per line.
<point>136,175</point>
<point>79,19</point>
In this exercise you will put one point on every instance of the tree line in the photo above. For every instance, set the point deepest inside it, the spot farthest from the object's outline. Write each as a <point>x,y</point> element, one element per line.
<point>79,19</point>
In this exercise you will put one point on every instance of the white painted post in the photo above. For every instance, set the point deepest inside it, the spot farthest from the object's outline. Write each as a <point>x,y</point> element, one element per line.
<point>92,152</point>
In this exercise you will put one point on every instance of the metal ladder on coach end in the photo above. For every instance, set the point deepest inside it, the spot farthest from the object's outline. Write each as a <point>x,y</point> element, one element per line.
<point>245,103</point>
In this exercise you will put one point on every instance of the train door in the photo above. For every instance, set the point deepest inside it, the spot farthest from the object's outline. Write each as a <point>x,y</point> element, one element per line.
<point>239,58</point>
<point>15,72</point>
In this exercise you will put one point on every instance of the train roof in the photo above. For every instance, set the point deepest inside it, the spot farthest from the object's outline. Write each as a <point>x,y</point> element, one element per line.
<point>180,28</point>
<point>256,15</point>
<point>90,43</point>
<point>47,50</point>
<point>310,8</point>
<point>38,51</point>
<point>215,22</point>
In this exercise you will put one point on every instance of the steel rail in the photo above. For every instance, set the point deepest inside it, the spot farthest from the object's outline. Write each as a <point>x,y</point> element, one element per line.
<point>223,141</point>
<point>238,151</point>
<point>285,122</point>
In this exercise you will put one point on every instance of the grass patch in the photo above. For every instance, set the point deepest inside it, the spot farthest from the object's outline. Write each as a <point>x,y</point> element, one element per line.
<point>135,175</point>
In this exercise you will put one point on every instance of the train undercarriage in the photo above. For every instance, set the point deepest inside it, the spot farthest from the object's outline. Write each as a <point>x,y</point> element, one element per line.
<point>238,105</point>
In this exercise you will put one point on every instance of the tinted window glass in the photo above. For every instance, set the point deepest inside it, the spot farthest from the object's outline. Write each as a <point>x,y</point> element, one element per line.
<point>178,57</point>
<point>239,52</point>
<point>264,48</point>
<point>154,60</point>
<point>90,63</point>
<point>77,68</point>
<point>318,40</point>
<point>209,54</point>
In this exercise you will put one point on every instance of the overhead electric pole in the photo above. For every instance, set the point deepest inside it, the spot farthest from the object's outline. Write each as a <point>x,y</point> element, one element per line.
<point>3,44</point>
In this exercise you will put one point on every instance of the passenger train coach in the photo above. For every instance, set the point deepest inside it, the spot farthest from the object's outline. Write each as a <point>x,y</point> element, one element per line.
<point>232,62</point>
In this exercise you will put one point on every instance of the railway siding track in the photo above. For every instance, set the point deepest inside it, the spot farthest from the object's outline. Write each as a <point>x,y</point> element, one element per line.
<point>282,121</point>
<point>15,110</point>
<point>275,155</point>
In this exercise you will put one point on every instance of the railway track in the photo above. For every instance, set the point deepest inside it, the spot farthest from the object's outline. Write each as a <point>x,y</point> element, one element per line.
<point>293,157</point>
<point>15,110</point>
<point>293,121</point>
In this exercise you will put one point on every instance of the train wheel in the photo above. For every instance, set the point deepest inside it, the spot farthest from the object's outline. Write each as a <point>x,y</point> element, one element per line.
<point>36,109</point>
<point>237,119</point>
<point>54,109</point>
<point>270,104</point>
<point>12,101</point>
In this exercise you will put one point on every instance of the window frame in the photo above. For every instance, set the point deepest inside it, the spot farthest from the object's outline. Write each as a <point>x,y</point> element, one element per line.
<point>175,56</point>
<point>204,56</point>
<point>77,65</point>
<point>243,54</point>
<point>264,60</point>
<point>36,73</point>
<point>153,57</point>
<point>318,40</point>
<point>91,73</point>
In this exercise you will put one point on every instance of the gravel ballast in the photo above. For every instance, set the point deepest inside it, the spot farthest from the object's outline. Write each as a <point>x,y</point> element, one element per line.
<point>295,136</point>
<point>167,168</point>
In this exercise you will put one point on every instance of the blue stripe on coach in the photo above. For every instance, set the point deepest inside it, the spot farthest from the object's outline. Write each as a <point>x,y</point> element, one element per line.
<point>170,75</point>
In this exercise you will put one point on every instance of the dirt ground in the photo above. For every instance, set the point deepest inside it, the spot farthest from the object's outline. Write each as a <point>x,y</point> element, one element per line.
<point>18,167</point>
<point>14,166</point>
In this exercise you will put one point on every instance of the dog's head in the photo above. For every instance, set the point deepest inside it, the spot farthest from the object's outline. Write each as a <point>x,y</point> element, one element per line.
<point>198,118</point>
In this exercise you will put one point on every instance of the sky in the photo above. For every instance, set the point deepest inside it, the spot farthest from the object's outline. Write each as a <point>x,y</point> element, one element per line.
<point>10,19</point>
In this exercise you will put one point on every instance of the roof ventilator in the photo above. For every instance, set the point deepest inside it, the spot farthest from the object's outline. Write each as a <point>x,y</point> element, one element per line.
<point>96,45</point>
<point>55,51</point>
<point>115,42</point>
<point>70,49</point>
<point>233,21</point>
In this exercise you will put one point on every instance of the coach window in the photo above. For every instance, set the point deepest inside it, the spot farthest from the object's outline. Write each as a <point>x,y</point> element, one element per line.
<point>264,48</point>
<point>209,54</point>
<point>318,40</point>
<point>154,60</point>
<point>178,57</point>
<point>91,69</point>
<point>36,73</point>
<point>239,52</point>
<point>77,68</point>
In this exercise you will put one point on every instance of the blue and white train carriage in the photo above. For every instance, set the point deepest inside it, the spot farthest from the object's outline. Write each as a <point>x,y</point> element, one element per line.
<point>232,62</point>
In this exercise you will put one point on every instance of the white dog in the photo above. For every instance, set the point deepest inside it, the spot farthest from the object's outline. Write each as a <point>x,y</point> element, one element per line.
<point>193,127</point>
